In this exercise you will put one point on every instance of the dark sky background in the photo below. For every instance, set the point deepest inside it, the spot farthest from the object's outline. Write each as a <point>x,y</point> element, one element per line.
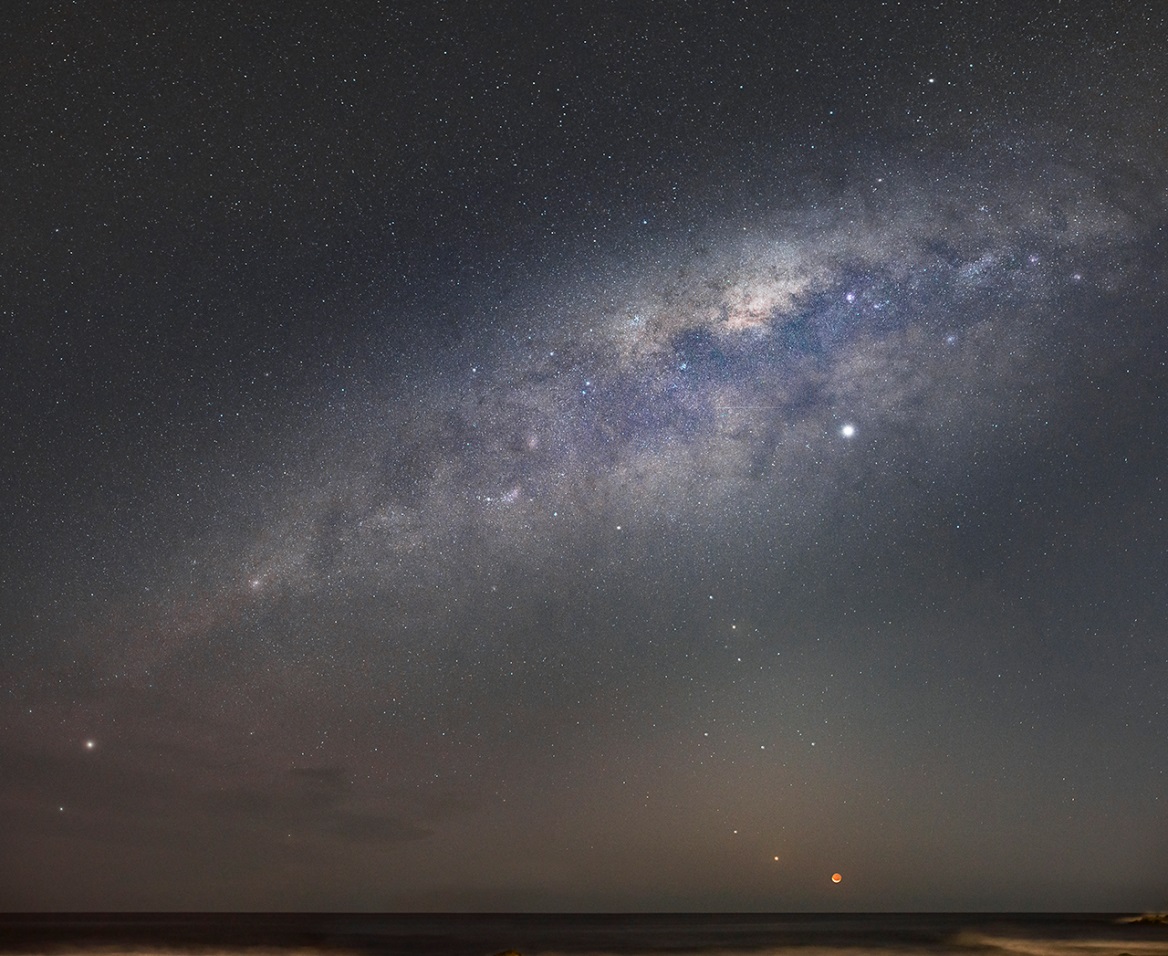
<point>602,456</point>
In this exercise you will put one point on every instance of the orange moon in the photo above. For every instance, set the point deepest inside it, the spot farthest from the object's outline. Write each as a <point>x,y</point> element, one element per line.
<point>835,877</point>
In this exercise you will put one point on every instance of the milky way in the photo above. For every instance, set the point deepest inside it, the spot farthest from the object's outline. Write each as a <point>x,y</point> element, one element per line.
<point>709,394</point>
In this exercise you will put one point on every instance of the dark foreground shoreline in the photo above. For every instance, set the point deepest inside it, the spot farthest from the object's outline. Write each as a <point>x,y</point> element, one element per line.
<point>434,934</point>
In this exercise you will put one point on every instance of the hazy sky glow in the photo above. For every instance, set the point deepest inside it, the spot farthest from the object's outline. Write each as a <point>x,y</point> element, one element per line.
<point>626,457</point>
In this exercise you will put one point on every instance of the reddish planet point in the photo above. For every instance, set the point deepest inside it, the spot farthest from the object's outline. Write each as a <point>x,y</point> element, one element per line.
<point>835,877</point>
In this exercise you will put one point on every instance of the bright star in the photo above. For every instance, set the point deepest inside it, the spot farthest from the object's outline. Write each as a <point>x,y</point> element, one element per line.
<point>848,431</point>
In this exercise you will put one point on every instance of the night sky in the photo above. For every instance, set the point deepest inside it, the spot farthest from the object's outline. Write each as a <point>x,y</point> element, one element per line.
<point>602,456</point>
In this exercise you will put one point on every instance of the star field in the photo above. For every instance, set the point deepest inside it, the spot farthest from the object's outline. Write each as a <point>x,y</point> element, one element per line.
<point>610,457</point>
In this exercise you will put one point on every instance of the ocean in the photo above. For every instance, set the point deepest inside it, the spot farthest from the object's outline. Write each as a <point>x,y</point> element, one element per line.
<point>280,934</point>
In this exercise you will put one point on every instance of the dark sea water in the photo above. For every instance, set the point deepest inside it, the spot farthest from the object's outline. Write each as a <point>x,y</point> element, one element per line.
<point>530,935</point>
<point>484,935</point>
